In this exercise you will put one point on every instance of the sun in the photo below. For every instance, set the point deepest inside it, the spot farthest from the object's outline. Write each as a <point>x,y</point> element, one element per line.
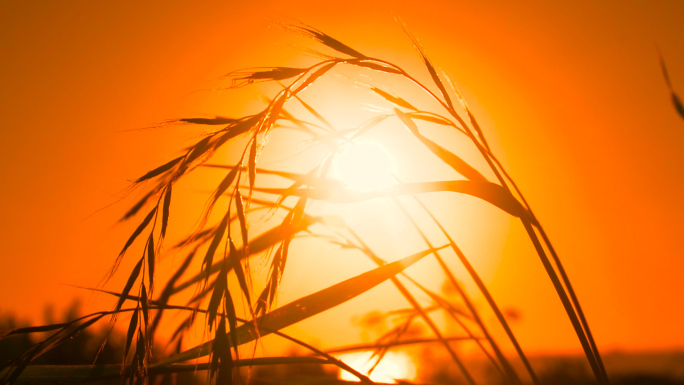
<point>394,366</point>
<point>365,165</point>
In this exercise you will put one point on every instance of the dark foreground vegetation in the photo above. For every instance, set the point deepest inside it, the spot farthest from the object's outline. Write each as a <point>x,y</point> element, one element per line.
<point>656,368</point>
<point>223,244</point>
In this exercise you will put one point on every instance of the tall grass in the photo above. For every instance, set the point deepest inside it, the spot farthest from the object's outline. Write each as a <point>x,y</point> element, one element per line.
<point>223,250</point>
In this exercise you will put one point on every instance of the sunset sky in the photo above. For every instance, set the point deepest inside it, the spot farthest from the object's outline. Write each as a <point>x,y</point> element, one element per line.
<point>570,94</point>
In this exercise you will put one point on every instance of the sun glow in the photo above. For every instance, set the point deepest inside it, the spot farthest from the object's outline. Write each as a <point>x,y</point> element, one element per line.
<point>365,165</point>
<point>394,366</point>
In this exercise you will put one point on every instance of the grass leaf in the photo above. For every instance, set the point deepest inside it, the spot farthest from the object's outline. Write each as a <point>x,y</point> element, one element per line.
<point>258,244</point>
<point>448,157</point>
<point>166,207</point>
<point>243,221</point>
<point>235,258</point>
<point>129,283</point>
<point>225,183</point>
<point>314,76</point>
<point>252,165</point>
<point>222,360</point>
<point>675,99</point>
<point>487,191</point>
<point>159,170</point>
<point>430,67</point>
<point>218,236</point>
<point>245,77</point>
<point>33,329</point>
<point>132,238</point>
<point>678,104</point>
<point>78,373</point>
<point>429,118</point>
<point>197,150</point>
<point>144,304</point>
<point>132,326</point>
<point>136,207</point>
<point>300,179</point>
<point>393,98</point>
<point>321,37</point>
<point>309,306</point>
<point>376,66</point>
<point>217,121</point>
<point>217,294</point>
<point>315,113</point>
<point>150,260</point>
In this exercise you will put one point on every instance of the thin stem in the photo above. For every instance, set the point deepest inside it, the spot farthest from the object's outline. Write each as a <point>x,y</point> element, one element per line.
<point>485,292</point>
<point>565,301</point>
<point>510,373</point>
<point>411,299</point>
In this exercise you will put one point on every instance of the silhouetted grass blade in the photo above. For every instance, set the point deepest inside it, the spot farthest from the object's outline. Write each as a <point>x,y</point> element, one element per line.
<point>217,121</point>
<point>166,208</point>
<point>239,206</point>
<point>80,373</point>
<point>167,292</point>
<point>569,309</point>
<point>217,294</point>
<point>235,258</point>
<point>678,104</point>
<point>428,321</point>
<point>139,357</point>
<point>240,127</point>
<point>456,313</point>
<point>132,326</point>
<point>137,206</point>
<point>252,165</point>
<point>274,111</point>
<point>225,183</point>
<point>132,238</point>
<point>393,98</point>
<point>218,236</point>
<point>429,118</point>
<point>666,75</point>
<point>242,78</point>
<point>144,305</point>
<point>324,39</point>
<point>315,113</point>
<point>485,292</point>
<point>314,76</point>
<point>159,170</point>
<point>448,157</point>
<point>575,302</point>
<point>675,99</point>
<point>268,293</point>
<point>310,305</point>
<point>430,67</point>
<point>197,150</point>
<point>150,260</point>
<point>129,284</point>
<point>10,371</point>
<point>33,329</point>
<point>260,243</point>
<point>487,191</point>
<point>300,179</point>
<point>229,308</point>
<point>221,358</point>
<point>376,66</point>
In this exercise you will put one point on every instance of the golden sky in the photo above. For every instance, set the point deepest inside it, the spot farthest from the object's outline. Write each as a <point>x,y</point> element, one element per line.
<point>570,94</point>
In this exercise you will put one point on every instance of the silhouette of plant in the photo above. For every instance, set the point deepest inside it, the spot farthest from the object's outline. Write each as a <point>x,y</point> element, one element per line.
<point>223,249</point>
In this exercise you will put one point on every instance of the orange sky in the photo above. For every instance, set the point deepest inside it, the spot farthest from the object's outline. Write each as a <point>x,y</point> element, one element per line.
<point>570,94</point>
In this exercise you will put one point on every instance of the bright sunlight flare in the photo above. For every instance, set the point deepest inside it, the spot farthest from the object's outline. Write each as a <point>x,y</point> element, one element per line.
<point>365,165</point>
<point>394,366</point>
